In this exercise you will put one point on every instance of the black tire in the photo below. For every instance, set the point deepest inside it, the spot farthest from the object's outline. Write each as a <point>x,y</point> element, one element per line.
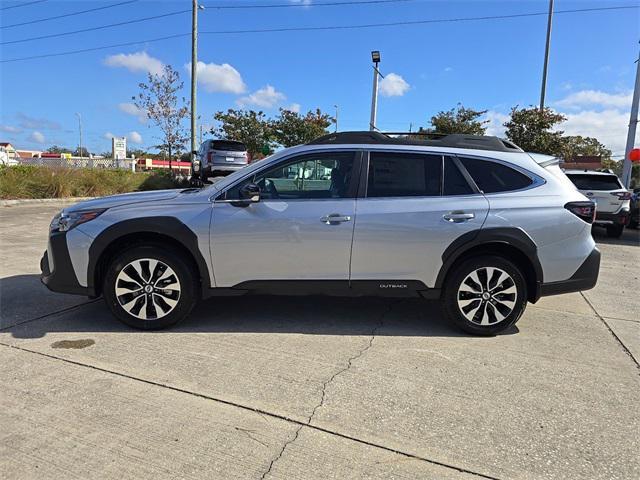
<point>162,283</point>
<point>500,311</point>
<point>615,231</point>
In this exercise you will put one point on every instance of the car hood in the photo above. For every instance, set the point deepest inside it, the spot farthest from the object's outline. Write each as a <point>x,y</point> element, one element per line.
<point>126,199</point>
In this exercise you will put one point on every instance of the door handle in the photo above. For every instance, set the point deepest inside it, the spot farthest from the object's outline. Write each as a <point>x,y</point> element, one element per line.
<point>458,216</point>
<point>335,218</point>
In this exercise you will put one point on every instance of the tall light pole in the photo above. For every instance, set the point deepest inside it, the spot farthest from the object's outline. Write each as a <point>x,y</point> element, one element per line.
<point>375,57</point>
<point>194,70</point>
<point>80,131</point>
<point>631,134</point>
<point>543,90</point>
<point>336,107</point>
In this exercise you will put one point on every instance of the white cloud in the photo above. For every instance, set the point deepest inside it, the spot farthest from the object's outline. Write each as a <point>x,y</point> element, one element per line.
<point>108,135</point>
<point>495,125</point>
<point>134,137</point>
<point>608,126</point>
<point>393,85</point>
<point>36,137</point>
<point>219,78</point>
<point>131,109</point>
<point>9,129</point>
<point>266,97</point>
<point>26,121</point>
<point>294,107</point>
<point>586,98</point>
<point>135,62</point>
<point>448,69</point>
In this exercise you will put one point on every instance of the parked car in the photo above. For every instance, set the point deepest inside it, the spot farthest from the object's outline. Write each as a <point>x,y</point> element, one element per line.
<point>634,214</point>
<point>472,221</point>
<point>221,157</point>
<point>611,198</point>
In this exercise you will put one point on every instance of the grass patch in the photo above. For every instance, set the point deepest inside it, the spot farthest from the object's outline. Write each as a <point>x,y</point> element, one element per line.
<point>30,181</point>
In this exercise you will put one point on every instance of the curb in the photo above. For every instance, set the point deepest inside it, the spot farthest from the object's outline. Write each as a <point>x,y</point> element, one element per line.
<point>37,201</point>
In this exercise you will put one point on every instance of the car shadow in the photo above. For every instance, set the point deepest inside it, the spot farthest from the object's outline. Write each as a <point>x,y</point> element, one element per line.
<point>304,315</point>
<point>630,237</point>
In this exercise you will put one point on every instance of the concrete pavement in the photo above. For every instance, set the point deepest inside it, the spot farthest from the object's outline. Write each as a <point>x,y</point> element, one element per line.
<point>317,387</point>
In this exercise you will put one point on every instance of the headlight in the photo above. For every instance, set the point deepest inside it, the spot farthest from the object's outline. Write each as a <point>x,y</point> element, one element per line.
<point>65,221</point>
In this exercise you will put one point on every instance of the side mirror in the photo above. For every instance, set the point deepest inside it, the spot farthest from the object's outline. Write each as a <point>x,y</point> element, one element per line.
<point>250,192</point>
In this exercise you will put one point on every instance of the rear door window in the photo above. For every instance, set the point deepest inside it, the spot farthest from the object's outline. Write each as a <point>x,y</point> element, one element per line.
<point>399,174</point>
<point>494,177</point>
<point>454,183</point>
<point>595,182</point>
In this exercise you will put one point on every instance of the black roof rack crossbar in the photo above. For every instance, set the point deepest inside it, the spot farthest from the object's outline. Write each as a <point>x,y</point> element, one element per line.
<point>452,140</point>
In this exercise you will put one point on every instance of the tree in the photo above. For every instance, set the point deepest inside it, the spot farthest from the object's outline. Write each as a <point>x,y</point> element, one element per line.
<point>574,146</point>
<point>158,98</point>
<point>290,128</point>
<point>247,126</point>
<point>531,130</point>
<point>459,120</point>
<point>81,152</point>
<point>57,149</point>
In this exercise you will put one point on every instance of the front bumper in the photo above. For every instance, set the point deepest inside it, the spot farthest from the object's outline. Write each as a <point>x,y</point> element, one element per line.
<point>585,278</point>
<point>619,218</point>
<point>62,279</point>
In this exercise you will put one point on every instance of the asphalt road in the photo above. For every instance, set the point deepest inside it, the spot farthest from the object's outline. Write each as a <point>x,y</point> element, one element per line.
<point>259,387</point>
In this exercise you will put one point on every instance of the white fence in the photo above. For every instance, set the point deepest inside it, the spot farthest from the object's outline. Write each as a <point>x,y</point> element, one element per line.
<point>81,162</point>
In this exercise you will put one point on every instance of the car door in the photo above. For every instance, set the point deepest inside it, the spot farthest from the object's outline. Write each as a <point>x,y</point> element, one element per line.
<point>301,229</point>
<point>415,205</point>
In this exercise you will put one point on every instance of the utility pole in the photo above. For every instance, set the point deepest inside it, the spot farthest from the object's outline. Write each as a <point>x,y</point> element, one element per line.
<point>543,90</point>
<point>375,57</point>
<point>194,69</point>
<point>336,130</point>
<point>631,134</point>
<point>80,130</point>
<point>200,134</point>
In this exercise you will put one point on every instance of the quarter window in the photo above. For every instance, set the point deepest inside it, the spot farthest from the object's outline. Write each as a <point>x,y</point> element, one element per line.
<point>493,177</point>
<point>404,175</point>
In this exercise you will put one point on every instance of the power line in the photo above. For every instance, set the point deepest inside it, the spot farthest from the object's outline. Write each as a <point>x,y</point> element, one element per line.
<point>31,22</point>
<point>413,22</point>
<point>304,5</point>
<point>102,27</point>
<point>417,22</point>
<point>23,4</point>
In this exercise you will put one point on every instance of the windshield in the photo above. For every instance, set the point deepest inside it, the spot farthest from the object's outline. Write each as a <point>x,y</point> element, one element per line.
<point>595,182</point>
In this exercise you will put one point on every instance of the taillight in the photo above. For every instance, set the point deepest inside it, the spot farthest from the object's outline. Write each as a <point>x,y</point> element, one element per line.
<point>584,210</point>
<point>210,157</point>
<point>622,195</point>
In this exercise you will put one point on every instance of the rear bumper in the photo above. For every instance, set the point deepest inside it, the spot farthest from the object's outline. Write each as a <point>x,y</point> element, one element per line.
<point>585,278</point>
<point>62,279</point>
<point>222,168</point>
<point>619,218</point>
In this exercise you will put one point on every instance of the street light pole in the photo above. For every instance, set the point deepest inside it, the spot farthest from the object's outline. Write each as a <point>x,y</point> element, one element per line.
<point>194,70</point>
<point>80,131</point>
<point>543,90</point>
<point>375,56</point>
<point>336,106</point>
<point>631,133</point>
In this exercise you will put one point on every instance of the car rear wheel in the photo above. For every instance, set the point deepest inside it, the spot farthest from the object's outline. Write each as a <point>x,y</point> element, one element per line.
<point>615,231</point>
<point>149,288</point>
<point>485,295</point>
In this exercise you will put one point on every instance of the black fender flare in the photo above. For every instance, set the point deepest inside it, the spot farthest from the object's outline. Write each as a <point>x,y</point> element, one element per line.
<point>163,225</point>
<point>512,236</point>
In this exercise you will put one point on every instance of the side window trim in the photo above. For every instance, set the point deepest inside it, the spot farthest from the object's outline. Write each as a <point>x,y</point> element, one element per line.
<point>352,189</point>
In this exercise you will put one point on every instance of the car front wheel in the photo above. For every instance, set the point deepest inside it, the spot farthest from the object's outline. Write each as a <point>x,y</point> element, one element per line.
<point>149,287</point>
<point>485,295</point>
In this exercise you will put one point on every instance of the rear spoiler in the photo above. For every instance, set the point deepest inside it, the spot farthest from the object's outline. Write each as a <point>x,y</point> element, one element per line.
<point>544,160</point>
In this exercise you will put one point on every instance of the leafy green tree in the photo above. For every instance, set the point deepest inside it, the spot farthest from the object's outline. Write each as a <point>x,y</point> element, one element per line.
<point>158,97</point>
<point>459,120</point>
<point>290,128</point>
<point>531,130</point>
<point>574,146</point>
<point>81,152</point>
<point>247,126</point>
<point>57,149</point>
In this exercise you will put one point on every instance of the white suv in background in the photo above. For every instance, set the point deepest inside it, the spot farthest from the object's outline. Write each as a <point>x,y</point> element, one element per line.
<point>472,221</point>
<point>612,200</point>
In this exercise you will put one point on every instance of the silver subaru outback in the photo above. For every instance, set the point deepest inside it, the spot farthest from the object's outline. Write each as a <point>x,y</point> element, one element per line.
<point>472,221</point>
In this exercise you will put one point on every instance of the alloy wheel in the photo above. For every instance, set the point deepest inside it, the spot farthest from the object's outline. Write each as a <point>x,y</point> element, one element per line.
<point>487,296</point>
<point>147,288</point>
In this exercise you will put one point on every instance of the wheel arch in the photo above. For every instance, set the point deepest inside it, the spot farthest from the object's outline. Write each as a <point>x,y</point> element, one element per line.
<point>163,231</point>
<point>510,243</point>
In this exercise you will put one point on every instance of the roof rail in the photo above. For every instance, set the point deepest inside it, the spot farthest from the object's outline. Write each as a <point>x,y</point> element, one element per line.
<point>452,140</point>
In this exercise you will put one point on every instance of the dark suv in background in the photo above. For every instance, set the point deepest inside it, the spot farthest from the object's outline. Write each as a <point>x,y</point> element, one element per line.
<point>221,157</point>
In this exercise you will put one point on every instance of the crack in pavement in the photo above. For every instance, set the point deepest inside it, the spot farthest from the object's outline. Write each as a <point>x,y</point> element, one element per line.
<point>259,411</point>
<point>41,317</point>
<point>602,319</point>
<point>324,388</point>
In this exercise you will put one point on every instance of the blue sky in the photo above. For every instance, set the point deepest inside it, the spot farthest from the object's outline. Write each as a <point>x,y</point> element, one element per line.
<point>491,64</point>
